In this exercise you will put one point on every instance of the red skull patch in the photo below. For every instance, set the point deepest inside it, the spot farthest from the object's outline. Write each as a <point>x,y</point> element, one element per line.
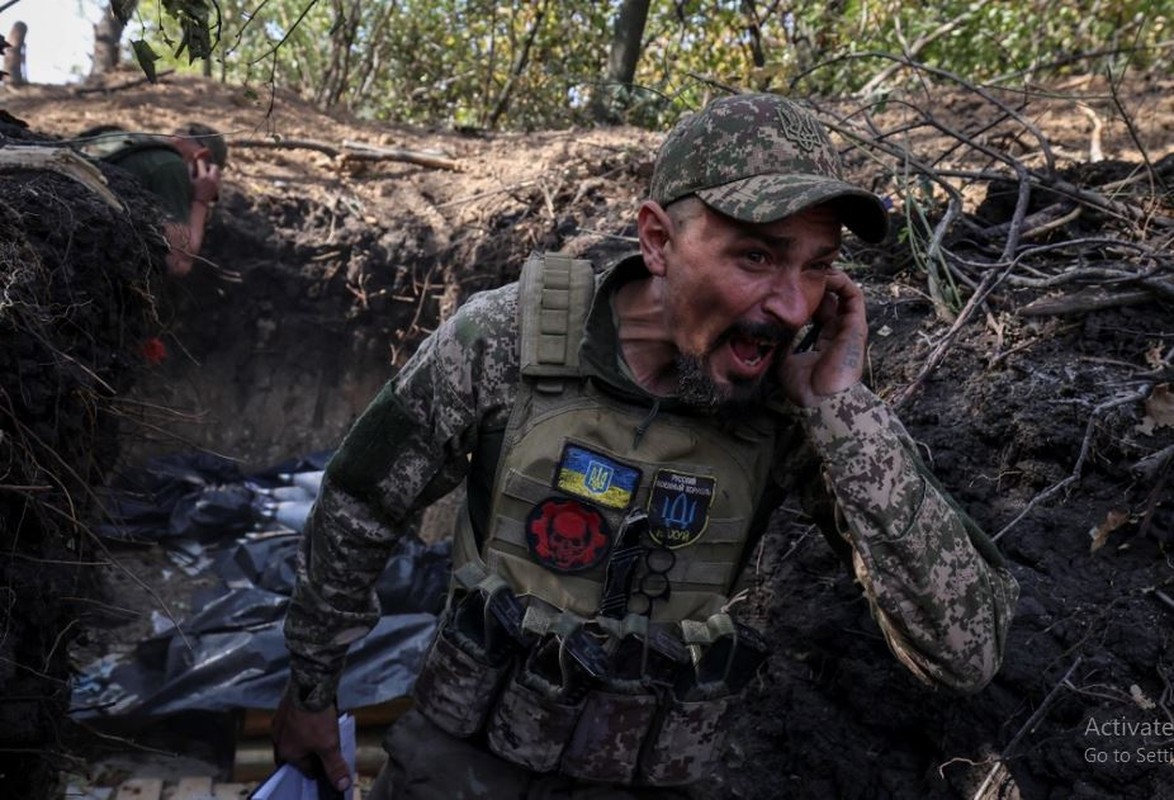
<point>566,535</point>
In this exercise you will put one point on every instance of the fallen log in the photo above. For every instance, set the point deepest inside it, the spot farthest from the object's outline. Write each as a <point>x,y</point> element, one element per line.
<point>356,151</point>
<point>1097,298</point>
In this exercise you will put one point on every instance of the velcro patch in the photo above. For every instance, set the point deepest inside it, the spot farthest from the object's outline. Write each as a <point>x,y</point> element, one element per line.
<point>596,477</point>
<point>565,535</point>
<point>678,507</point>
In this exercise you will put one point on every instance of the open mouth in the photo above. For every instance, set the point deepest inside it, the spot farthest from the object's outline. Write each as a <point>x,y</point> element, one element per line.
<point>752,350</point>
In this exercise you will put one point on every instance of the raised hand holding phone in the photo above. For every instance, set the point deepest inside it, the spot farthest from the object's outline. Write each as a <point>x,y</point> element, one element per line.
<point>836,362</point>
<point>205,181</point>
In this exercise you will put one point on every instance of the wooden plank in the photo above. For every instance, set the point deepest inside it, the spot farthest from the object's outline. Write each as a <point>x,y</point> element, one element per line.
<point>231,791</point>
<point>254,757</point>
<point>140,789</point>
<point>256,720</point>
<point>193,788</point>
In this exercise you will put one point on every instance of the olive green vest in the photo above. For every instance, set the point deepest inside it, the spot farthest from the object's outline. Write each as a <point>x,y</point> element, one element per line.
<point>700,478</point>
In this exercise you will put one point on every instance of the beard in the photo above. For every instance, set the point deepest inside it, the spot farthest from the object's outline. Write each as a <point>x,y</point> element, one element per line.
<point>698,389</point>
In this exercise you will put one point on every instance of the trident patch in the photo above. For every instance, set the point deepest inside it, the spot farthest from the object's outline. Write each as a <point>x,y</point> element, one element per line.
<point>678,507</point>
<point>596,477</point>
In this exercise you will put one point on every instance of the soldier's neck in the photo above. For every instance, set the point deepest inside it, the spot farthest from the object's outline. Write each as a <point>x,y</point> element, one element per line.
<point>644,335</point>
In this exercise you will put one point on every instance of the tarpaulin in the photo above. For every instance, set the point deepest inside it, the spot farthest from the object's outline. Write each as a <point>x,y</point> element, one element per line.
<point>231,652</point>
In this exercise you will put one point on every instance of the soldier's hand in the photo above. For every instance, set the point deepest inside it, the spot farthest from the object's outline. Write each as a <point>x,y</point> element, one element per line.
<point>205,181</point>
<point>309,740</point>
<point>837,360</point>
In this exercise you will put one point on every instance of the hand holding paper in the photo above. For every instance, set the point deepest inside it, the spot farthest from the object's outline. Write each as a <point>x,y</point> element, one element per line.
<point>289,783</point>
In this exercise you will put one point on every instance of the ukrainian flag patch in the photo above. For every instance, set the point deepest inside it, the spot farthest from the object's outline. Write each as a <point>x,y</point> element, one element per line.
<point>596,477</point>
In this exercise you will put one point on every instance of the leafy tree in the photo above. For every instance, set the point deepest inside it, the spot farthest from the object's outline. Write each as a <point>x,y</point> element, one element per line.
<point>621,63</point>
<point>520,65</point>
<point>108,36</point>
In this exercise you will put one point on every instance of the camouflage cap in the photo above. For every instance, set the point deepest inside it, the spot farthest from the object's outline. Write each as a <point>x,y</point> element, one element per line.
<point>759,158</point>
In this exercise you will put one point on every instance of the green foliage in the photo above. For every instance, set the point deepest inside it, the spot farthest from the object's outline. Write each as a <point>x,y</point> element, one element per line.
<point>146,58</point>
<point>536,63</point>
<point>991,40</point>
<point>195,26</point>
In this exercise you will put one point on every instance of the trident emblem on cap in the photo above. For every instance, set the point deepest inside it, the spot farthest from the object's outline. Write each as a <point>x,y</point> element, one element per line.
<point>800,129</point>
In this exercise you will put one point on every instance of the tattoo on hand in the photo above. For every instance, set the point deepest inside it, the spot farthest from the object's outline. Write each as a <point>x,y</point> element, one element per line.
<point>852,356</point>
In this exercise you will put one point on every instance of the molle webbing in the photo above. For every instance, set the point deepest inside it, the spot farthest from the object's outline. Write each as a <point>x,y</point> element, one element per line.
<point>621,731</point>
<point>554,297</point>
<point>555,406</point>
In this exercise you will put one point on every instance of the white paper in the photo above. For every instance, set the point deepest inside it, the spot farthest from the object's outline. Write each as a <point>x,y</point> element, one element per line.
<point>287,783</point>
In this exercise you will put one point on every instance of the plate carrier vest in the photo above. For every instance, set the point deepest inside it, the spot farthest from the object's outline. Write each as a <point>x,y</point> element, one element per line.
<point>700,480</point>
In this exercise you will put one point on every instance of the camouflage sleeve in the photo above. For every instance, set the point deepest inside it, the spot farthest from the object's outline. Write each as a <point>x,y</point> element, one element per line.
<point>938,588</point>
<point>408,448</point>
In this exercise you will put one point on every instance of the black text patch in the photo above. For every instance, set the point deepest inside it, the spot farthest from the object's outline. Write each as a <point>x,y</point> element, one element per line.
<point>678,507</point>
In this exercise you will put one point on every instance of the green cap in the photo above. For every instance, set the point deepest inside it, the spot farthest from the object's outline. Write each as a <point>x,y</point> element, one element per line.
<point>759,158</point>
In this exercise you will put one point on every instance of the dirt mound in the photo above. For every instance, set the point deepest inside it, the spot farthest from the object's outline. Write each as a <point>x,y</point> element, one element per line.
<point>76,305</point>
<point>323,272</point>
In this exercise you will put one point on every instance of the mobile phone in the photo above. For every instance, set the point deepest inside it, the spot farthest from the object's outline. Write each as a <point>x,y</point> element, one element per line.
<point>810,338</point>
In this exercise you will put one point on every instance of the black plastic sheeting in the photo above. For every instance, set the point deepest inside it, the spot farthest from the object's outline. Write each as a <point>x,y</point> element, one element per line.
<point>248,669</point>
<point>192,495</point>
<point>139,503</point>
<point>415,579</point>
<point>231,653</point>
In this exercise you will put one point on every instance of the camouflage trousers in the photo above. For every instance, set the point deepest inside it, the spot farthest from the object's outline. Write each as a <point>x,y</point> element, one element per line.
<point>425,763</point>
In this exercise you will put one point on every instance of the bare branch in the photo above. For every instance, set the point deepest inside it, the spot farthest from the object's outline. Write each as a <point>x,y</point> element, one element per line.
<point>1078,468</point>
<point>920,44</point>
<point>355,151</point>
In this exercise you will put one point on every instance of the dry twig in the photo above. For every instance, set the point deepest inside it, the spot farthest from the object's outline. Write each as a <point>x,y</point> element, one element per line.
<point>1085,447</point>
<point>989,281</point>
<point>1131,250</point>
<point>1028,727</point>
<point>124,85</point>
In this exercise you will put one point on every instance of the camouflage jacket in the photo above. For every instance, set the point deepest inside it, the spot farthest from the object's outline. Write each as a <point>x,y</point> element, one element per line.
<point>938,588</point>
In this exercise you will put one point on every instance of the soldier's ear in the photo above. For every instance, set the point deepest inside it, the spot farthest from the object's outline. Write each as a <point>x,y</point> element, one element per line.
<point>653,227</point>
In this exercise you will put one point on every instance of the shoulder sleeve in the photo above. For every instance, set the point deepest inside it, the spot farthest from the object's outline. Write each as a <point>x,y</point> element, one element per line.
<point>409,448</point>
<point>938,588</point>
<point>165,174</point>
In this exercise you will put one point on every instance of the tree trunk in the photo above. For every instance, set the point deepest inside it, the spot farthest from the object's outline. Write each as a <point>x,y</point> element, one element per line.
<point>523,58</point>
<point>337,77</point>
<point>621,62</point>
<point>754,31</point>
<point>14,55</point>
<point>372,56</point>
<point>108,36</point>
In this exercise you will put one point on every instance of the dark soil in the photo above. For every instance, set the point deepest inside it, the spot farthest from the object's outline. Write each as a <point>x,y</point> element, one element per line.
<point>322,278</point>
<point>837,717</point>
<point>76,302</point>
